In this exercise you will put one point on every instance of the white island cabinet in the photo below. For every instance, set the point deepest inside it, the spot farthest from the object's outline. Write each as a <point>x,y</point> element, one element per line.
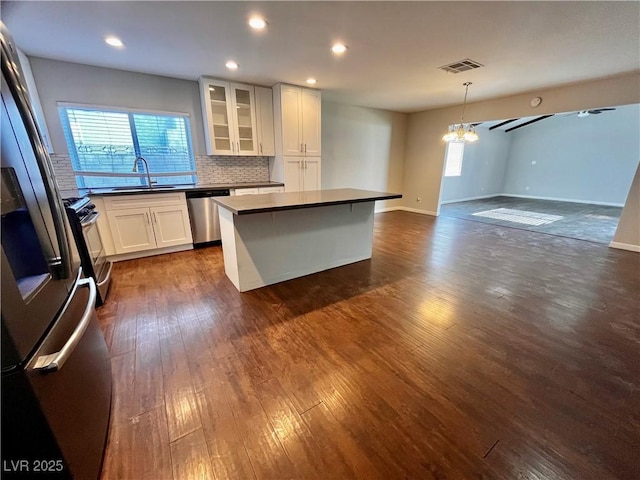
<point>274,237</point>
<point>157,221</point>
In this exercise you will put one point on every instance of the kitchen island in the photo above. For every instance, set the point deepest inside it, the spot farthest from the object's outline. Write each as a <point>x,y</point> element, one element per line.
<point>274,237</point>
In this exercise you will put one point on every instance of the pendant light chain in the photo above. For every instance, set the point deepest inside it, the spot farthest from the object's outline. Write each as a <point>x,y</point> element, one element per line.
<point>464,103</point>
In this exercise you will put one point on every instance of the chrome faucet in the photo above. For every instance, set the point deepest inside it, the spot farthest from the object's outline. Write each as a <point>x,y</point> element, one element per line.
<point>146,167</point>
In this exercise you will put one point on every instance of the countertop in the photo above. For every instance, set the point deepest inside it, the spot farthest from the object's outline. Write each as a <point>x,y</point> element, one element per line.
<point>272,202</point>
<point>81,192</point>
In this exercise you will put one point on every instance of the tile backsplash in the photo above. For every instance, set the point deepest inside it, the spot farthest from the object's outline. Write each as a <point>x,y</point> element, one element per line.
<point>209,170</point>
<point>232,169</point>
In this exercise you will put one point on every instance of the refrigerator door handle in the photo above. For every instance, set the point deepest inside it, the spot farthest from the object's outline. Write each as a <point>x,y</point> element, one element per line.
<point>54,361</point>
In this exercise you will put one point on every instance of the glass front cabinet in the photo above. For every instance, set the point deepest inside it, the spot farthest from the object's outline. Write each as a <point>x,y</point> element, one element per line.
<point>229,113</point>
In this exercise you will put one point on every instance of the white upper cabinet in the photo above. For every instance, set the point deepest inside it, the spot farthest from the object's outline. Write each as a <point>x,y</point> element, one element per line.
<point>229,112</point>
<point>298,120</point>
<point>310,100</point>
<point>264,121</point>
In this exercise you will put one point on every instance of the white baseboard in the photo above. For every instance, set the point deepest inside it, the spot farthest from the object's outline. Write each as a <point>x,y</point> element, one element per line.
<point>468,199</point>
<point>406,209</point>
<point>388,209</point>
<point>149,253</point>
<point>416,210</point>
<point>570,200</point>
<point>625,246</point>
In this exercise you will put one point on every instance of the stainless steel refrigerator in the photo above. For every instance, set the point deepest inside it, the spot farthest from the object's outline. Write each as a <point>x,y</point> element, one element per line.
<point>56,376</point>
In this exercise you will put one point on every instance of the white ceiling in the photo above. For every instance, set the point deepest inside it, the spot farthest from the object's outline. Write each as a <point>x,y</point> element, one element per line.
<point>394,47</point>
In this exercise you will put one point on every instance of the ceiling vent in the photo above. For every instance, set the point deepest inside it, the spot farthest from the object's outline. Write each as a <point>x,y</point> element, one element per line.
<point>461,66</point>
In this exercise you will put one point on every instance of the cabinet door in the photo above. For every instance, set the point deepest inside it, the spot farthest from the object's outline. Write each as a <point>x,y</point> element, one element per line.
<point>291,126</point>
<point>244,113</point>
<point>264,120</point>
<point>293,174</point>
<point>218,117</point>
<point>311,125</point>
<point>131,230</point>
<point>171,225</point>
<point>311,173</point>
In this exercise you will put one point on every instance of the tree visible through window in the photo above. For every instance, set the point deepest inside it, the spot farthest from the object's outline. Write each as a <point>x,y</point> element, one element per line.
<point>103,144</point>
<point>453,162</point>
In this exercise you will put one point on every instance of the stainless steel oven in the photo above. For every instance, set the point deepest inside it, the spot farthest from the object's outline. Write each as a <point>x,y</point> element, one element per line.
<point>83,218</point>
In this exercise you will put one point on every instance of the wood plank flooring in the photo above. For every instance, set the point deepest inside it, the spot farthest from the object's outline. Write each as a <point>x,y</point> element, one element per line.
<point>461,350</point>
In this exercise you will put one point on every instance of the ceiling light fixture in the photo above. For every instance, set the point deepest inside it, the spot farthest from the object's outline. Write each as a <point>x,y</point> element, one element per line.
<point>339,48</point>
<point>460,132</point>
<point>113,41</point>
<point>311,81</point>
<point>231,65</point>
<point>257,23</point>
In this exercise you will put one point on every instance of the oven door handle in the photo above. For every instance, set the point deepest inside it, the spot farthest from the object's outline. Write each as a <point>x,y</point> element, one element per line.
<point>93,218</point>
<point>54,361</point>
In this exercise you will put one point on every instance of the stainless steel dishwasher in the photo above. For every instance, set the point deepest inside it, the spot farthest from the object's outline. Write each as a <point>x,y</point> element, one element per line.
<point>203,215</point>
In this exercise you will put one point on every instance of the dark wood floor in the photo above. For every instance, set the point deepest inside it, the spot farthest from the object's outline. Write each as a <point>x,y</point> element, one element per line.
<point>461,350</point>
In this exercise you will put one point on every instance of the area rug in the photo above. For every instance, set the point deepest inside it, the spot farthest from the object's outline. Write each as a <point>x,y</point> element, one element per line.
<point>519,216</point>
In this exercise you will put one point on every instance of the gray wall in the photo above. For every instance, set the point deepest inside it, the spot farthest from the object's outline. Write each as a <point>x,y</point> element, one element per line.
<point>591,159</point>
<point>75,83</point>
<point>363,148</point>
<point>484,165</point>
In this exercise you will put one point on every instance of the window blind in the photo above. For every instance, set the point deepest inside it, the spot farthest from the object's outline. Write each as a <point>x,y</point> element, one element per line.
<point>103,145</point>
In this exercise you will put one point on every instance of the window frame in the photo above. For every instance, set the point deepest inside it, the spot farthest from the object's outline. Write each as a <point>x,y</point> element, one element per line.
<point>448,169</point>
<point>80,174</point>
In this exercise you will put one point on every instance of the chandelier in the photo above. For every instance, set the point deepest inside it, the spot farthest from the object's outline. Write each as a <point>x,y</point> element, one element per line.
<point>461,132</point>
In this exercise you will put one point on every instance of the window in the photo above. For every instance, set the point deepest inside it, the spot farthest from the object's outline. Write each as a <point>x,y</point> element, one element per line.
<point>453,161</point>
<point>104,143</point>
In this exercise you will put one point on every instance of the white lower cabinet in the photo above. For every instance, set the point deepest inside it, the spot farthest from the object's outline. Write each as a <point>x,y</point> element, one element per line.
<point>301,173</point>
<point>255,191</point>
<point>142,222</point>
<point>271,190</point>
<point>246,191</point>
<point>131,230</point>
<point>171,225</point>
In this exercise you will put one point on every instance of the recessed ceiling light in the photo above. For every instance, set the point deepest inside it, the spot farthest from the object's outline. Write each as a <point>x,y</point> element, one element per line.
<point>231,65</point>
<point>311,81</point>
<point>257,23</point>
<point>113,41</point>
<point>339,48</point>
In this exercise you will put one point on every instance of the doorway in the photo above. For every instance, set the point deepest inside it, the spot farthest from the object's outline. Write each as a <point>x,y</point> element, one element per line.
<point>566,174</point>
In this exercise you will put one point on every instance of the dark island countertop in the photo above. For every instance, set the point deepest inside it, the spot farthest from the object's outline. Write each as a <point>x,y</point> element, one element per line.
<point>273,202</point>
<point>81,192</point>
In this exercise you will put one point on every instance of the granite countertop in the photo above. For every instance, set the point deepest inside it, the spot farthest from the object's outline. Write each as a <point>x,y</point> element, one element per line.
<point>81,192</point>
<point>272,202</point>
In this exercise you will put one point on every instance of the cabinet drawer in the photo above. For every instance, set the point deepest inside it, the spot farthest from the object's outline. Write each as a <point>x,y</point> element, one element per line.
<point>271,189</point>
<point>247,191</point>
<point>144,200</point>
